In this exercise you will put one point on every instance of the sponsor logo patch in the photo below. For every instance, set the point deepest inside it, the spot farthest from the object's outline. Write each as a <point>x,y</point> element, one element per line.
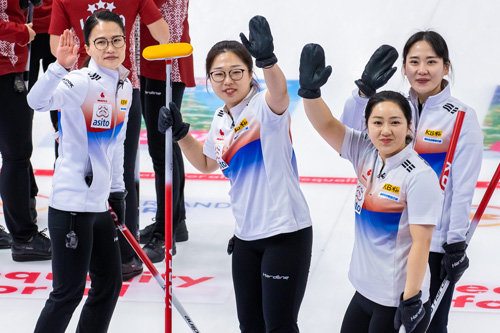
<point>101,116</point>
<point>391,188</point>
<point>388,196</point>
<point>433,136</point>
<point>242,125</point>
<point>123,102</point>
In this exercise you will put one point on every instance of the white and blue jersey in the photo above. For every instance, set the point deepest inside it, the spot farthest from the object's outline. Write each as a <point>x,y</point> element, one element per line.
<point>93,106</point>
<point>433,124</point>
<point>254,151</point>
<point>388,199</point>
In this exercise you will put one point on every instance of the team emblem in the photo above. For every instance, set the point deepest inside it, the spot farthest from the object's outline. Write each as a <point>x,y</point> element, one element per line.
<point>101,116</point>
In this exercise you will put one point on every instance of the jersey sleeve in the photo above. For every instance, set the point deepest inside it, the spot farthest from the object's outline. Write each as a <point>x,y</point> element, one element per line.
<point>354,111</point>
<point>424,198</point>
<point>265,115</point>
<point>56,89</point>
<point>464,173</point>
<point>149,12</point>
<point>13,32</point>
<point>59,20</point>
<point>355,142</point>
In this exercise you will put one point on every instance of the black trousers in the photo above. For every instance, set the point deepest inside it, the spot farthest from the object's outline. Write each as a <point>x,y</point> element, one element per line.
<point>40,50</point>
<point>363,315</point>
<point>17,182</point>
<point>270,277</point>
<point>98,253</point>
<point>130,177</point>
<point>153,97</point>
<point>439,322</point>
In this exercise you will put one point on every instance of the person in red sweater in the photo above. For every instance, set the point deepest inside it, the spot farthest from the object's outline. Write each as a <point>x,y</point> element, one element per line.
<point>17,183</point>
<point>175,12</point>
<point>72,14</point>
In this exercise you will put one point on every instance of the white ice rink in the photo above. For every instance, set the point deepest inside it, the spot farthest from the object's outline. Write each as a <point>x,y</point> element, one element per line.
<point>350,32</point>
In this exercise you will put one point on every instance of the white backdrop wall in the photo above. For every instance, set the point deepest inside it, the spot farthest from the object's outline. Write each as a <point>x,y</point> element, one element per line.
<point>350,31</point>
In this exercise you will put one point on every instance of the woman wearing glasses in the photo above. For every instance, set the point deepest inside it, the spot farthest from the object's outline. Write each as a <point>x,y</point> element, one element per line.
<point>71,14</point>
<point>94,103</point>
<point>249,140</point>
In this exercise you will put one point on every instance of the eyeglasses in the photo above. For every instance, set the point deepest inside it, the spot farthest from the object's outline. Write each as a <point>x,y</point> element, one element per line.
<point>234,74</point>
<point>102,43</point>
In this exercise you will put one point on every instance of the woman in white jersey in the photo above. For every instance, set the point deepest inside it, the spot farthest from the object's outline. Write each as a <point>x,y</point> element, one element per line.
<point>249,140</point>
<point>94,104</point>
<point>397,204</point>
<point>425,63</point>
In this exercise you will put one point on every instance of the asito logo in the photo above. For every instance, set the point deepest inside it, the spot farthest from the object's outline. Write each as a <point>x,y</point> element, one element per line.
<point>101,117</point>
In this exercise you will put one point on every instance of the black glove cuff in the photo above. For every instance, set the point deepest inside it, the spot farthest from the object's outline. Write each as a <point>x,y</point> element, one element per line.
<point>365,89</point>
<point>411,300</point>
<point>118,195</point>
<point>309,94</point>
<point>266,62</point>
<point>182,132</point>
<point>455,247</point>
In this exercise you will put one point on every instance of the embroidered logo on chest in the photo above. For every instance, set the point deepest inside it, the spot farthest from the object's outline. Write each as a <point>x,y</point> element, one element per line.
<point>241,128</point>
<point>433,136</point>
<point>393,192</point>
<point>101,116</point>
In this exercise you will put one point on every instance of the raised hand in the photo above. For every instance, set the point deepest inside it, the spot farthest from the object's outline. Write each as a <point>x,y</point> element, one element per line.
<point>260,42</point>
<point>67,51</point>
<point>378,70</point>
<point>312,71</point>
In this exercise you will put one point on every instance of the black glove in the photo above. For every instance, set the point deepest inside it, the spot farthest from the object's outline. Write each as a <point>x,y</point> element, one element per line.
<point>260,45</point>
<point>378,70</point>
<point>117,202</point>
<point>312,71</point>
<point>172,117</point>
<point>454,262</point>
<point>409,313</point>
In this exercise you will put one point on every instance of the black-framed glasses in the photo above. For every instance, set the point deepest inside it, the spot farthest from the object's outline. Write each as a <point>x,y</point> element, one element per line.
<point>235,75</point>
<point>102,43</point>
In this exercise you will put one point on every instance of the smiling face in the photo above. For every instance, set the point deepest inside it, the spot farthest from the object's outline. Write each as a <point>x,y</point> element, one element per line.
<point>229,90</point>
<point>387,128</point>
<point>110,57</point>
<point>424,70</point>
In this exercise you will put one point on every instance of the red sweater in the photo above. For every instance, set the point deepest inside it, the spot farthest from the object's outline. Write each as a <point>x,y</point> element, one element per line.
<point>175,12</point>
<point>41,17</point>
<point>13,32</point>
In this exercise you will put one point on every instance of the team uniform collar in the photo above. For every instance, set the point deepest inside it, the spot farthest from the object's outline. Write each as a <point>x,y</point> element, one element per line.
<point>396,160</point>
<point>437,99</point>
<point>119,74</point>
<point>236,110</point>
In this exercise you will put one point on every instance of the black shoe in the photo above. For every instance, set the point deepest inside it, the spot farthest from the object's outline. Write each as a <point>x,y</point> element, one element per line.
<point>155,248</point>
<point>38,248</point>
<point>146,233</point>
<point>131,268</point>
<point>181,232</point>
<point>5,239</point>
